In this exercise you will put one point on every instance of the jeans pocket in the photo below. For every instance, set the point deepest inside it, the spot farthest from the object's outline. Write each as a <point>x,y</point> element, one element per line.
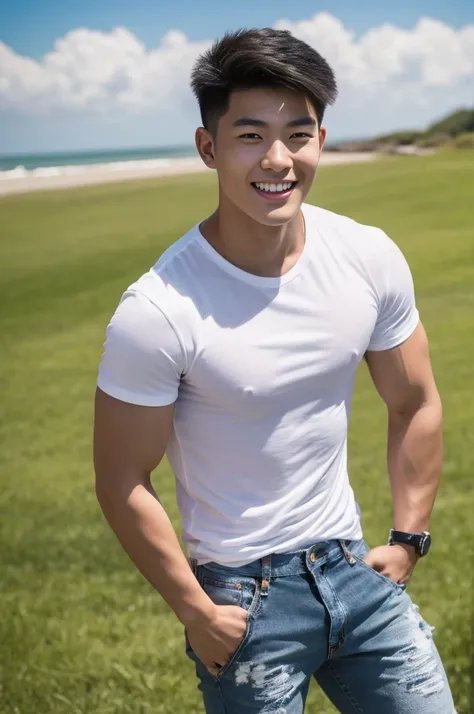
<point>222,592</point>
<point>359,551</point>
<point>242,592</point>
<point>380,576</point>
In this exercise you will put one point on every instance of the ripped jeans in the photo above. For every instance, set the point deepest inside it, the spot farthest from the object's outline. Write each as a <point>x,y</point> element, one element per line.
<point>323,613</point>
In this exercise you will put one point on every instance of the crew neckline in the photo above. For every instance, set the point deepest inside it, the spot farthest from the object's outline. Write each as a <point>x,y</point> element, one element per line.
<point>257,280</point>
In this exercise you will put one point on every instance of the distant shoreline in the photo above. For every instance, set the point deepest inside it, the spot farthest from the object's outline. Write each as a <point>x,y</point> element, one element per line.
<point>15,182</point>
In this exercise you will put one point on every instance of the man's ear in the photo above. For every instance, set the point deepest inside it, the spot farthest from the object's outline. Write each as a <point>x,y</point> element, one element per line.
<point>206,147</point>
<point>322,137</point>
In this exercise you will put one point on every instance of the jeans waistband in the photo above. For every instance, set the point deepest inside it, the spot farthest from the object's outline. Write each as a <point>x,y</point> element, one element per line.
<point>296,563</point>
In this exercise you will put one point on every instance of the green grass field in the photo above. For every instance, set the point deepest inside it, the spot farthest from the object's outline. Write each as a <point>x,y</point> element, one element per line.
<point>80,630</point>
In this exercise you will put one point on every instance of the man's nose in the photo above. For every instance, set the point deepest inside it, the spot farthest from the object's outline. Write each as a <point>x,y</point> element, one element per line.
<point>277,158</point>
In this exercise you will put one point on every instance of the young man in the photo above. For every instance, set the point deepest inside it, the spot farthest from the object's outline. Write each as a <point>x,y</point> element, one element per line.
<point>236,353</point>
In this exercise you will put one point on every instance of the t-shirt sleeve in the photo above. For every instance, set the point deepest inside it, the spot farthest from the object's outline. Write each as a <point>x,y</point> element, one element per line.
<point>143,359</point>
<point>398,316</point>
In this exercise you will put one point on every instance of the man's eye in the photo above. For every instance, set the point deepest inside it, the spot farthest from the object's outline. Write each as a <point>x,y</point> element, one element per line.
<point>302,135</point>
<point>249,136</point>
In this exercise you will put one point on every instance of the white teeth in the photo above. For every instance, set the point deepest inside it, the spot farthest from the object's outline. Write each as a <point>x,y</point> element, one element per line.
<point>275,187</point>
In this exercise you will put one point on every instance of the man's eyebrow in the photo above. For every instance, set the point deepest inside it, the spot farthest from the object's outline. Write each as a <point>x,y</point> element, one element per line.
<point>303,121</point>
<point>250,121</point>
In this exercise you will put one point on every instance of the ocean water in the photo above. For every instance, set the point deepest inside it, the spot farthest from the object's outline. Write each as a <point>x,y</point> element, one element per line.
<point>56,164</point>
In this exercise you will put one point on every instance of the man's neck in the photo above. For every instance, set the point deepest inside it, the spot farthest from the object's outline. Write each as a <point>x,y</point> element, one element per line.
<point>268,251</point>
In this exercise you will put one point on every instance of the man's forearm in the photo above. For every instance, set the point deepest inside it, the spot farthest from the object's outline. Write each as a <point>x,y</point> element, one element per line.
<point>146,534</point>
<point>415,454</point>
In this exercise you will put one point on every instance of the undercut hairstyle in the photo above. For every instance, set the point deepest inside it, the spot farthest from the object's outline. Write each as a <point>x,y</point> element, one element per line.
<point>259,58</point>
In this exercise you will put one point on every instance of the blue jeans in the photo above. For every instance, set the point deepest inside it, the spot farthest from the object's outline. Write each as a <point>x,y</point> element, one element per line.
<point>322,612</point>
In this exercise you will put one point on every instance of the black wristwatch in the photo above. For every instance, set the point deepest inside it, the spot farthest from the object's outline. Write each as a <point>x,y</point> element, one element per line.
<point>421,542</point>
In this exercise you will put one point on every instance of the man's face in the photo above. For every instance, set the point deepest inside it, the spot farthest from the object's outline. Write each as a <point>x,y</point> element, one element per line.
<point>266,152</point>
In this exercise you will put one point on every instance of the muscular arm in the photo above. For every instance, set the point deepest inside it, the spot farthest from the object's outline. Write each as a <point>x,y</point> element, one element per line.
<point>129,442</point>
<point>404,379</point>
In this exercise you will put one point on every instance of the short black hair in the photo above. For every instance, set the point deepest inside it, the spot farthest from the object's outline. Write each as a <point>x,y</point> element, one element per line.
<point>247,59</point>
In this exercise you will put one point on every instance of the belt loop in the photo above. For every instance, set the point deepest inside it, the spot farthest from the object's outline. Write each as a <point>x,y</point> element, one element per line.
<point>348,556</point>
<point>266,575</point>
<point>193,566</point>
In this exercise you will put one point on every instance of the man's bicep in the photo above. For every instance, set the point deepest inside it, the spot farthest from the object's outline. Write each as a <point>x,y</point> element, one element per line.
<point>403,375</point>
<point>129,441</point>
<point>143,360</point>
<point>138,384</point>
<point>397,316</point>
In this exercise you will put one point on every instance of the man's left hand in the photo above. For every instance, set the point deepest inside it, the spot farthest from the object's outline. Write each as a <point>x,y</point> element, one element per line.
<point>396,562</point>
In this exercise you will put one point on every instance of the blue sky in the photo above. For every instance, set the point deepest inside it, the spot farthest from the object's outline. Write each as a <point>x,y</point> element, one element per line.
<point>30,119</point>
<point>31,27</point>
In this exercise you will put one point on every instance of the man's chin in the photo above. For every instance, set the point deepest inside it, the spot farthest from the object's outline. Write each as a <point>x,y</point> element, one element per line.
<point>278,215</point>
<point>273,213</point>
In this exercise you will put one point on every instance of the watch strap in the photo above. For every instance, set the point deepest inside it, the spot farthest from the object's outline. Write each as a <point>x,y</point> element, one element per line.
<point>419,541</point>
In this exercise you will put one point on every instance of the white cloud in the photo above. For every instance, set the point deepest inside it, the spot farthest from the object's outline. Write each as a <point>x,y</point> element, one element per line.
<point>422,71</point>
<point>432,53</point>
<point>89,69</point>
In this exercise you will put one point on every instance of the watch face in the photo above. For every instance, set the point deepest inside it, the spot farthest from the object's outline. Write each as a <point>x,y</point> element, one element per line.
<point>425,544</point>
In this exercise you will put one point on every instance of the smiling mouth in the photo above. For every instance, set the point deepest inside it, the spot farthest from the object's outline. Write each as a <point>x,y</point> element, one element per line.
<point>273,190</point>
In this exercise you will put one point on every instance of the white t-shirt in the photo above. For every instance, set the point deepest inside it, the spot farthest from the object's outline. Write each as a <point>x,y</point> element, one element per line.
<point>262,372</point>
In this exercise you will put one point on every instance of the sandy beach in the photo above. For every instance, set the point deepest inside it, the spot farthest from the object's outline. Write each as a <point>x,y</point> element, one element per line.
<point>74,176</point>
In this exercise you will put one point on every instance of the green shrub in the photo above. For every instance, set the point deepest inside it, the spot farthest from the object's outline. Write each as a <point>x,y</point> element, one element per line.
<point>464,141</point>
<point>433,141</point>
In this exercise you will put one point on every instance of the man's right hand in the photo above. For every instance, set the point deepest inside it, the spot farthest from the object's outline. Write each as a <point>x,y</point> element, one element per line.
<point>215,639</point>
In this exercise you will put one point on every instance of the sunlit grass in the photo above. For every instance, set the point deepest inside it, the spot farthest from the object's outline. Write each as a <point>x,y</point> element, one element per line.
<point>80,631</point>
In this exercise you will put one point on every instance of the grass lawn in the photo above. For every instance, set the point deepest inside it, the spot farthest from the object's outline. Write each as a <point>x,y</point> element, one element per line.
<point>80,630</point>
